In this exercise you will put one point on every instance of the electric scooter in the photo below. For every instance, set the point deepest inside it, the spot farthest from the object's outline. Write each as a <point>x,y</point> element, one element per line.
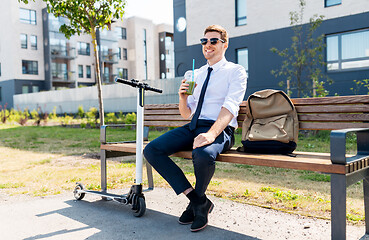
<point>135,195</point>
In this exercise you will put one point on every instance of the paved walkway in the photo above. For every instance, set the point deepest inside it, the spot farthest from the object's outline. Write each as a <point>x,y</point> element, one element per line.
<point>62,217</point>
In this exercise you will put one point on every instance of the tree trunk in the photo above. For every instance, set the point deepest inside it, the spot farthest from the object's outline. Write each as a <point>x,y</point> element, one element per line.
<point>99,90</point>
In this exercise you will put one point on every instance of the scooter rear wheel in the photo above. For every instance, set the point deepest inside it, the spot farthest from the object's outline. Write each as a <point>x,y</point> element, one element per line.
<point>78,195</point>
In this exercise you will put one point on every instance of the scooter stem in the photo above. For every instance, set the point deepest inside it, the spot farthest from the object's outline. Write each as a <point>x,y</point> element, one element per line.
<point>139,135</point>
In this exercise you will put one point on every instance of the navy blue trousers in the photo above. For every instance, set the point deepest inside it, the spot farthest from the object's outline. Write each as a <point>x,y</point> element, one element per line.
<point>157,153</point>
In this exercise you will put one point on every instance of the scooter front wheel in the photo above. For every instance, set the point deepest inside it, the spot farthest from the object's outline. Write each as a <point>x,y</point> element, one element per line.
<point>140,207</point>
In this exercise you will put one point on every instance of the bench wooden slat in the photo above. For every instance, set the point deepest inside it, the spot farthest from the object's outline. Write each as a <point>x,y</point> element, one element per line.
<point>336,117</point>
<point>303,161</point>
<point>334,109</point>
<point>161,112</point>
<point>329,117</point>
<point>165,123</point>
<point>162,106</point>
<point>331,100</point>
<point>164,118</point>
<point>327,109</point>
<point>304,125</point>
<point>331,125</point>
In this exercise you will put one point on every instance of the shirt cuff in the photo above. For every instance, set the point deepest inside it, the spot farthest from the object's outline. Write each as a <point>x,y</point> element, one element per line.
<point>232,108</point>
<point>192,106</point>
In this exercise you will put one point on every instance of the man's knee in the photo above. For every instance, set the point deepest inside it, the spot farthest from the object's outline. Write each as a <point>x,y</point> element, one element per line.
<point>203,156</point>
<point>150,152</point>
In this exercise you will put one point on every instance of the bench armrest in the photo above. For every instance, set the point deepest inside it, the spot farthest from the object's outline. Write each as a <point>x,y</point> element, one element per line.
<point>103,129</point>
<point>338,145</point>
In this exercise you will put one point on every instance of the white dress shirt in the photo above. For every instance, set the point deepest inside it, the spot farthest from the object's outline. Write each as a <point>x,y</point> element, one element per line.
<point>226,88</point>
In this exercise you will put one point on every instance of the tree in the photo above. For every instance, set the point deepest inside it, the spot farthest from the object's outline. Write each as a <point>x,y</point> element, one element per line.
<point>87,16</point>
<point>304,60</point>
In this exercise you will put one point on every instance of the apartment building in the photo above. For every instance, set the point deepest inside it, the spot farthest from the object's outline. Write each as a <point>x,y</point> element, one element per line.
<point>255,26</point>
<point>35,56</point>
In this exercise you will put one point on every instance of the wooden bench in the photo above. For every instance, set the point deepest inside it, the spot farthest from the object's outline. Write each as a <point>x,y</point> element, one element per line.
<point>342,114</point>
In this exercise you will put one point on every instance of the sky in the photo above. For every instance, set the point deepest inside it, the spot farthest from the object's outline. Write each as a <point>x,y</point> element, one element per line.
<point>159,11</point>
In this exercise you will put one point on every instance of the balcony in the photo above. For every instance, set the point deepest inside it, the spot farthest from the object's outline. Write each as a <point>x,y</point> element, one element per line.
<point>59,51</point>
<point>109,78</point>
<point>56,22</point>
<point>108,35</point>
<point>65,77</point>
<point>109,57</point>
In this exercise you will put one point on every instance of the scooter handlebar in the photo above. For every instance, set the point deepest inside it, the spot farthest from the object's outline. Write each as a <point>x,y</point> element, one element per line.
<point>153,89</point>
<point>137,84</point>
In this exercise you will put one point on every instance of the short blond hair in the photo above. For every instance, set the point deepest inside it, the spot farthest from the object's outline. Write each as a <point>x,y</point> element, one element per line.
<point>219,29</point>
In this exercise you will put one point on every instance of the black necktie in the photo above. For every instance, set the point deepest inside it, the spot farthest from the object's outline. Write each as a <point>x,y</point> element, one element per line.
<point>201,100</point>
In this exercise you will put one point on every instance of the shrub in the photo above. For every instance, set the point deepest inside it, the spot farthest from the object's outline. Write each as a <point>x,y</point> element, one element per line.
<point>53,115</point>
<point>111,118</point>
<point>92,117</point>
<point>66,120</point>
<point>130,118</point>
<point>81,112</point>
<point>34,114</point>
<point>4,113</point>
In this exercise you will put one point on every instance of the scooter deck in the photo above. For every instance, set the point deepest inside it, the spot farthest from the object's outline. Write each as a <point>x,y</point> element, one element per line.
<point>104,194</point>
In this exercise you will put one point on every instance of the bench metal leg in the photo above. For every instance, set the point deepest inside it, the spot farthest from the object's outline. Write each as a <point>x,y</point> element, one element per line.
<point>366,203</point>
<point>149,176</point>
<point>338,207</point>
<point>103,170</point>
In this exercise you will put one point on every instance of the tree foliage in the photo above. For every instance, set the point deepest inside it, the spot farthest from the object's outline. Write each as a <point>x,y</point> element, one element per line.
<point>87,16</point>
<point>303,60</point>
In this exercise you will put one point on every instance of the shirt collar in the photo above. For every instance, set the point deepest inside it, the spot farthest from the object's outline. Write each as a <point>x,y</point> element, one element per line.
<point>218,65</point>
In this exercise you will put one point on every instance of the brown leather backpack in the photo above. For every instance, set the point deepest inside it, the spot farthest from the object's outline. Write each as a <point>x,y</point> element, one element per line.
<point>271,125</point>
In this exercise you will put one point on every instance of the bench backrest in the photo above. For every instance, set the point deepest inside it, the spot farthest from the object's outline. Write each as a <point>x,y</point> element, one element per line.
<point>326,113</point>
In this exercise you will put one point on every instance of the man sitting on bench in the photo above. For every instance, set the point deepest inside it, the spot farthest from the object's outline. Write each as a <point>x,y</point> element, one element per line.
<point>214,106</point>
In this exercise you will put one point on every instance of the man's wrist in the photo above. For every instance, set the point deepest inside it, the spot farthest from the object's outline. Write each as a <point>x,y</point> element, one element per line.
<point>212,133</point>
<point>183,97</point>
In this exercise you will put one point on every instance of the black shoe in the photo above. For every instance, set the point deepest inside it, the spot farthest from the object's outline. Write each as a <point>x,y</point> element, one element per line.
<point>201,212</point>
<point>187,216</point>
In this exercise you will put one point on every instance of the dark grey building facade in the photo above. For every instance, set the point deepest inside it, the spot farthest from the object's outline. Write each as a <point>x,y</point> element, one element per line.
<point>346,37</point>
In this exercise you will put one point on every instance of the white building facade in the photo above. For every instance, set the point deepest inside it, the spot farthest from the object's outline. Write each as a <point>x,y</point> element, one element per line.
<point>35,56</point>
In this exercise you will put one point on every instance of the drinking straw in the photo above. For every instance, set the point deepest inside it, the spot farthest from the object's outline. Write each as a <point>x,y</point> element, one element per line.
<point>193,69</point>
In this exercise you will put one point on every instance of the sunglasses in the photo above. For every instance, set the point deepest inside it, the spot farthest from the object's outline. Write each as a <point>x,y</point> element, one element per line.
<point>213,41</point>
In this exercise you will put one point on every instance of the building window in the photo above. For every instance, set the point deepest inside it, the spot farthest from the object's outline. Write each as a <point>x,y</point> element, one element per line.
<point>123,73</point>
<point>27,16</point>
<point>145,53</point>
<point>83,48</point>
<point>125,57</point>
<point>33,41</point>
<point>23,39</point>
<point>121,32</point>
<point>59,71</point>
<point>88,71</point>
<point>242,55</point>
<point>348,50</point>
<point>80,71</point>
<point>120,72</point>
<point>1,94</point>
<point>329,3</point>
<point>119,53</point>
<point>241,18</point>
<point>58,47</point>
<point>106,75</point>
<point>35,89</point>
<point>29,67</point>
<point>25,89</point>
